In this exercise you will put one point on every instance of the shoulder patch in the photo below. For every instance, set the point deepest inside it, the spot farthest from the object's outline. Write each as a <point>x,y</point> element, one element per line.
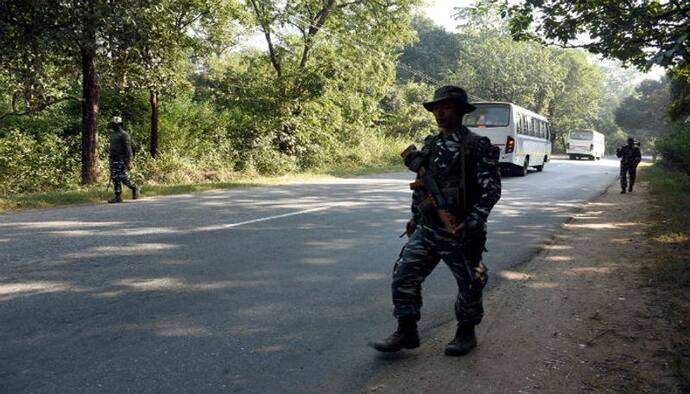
<point>428,141</point>
<point>472,136</point>
<point>484,141</point>
<point>484,148</point>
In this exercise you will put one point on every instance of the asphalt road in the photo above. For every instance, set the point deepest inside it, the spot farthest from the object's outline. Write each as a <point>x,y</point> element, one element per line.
<point>272,289</point>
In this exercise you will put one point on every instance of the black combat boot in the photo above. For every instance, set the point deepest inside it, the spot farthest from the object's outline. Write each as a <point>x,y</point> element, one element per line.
<point>405,337</point>
<point>623,191</point>
<point>630,189</point>
<point>464,341</point>
<point>135,193</point>
<point>117,199</point>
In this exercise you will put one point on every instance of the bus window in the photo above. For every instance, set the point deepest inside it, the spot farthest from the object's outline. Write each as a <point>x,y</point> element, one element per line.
<point>542,129</point>
<point>494,115</point>
<point>532,125</point>
<point>548,131</point>
<point>583,135</point>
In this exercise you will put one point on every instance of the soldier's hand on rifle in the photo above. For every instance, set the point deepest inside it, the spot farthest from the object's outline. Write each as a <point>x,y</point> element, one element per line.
<point>130,165</point>
<point>459,231</point>
<point>415,160</point>
<point>411,227</point>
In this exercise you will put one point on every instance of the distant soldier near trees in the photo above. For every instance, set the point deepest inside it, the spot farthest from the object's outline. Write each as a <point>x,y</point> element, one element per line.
<point>458,183</point>
<point>120,160</point>
<point>630,157</point>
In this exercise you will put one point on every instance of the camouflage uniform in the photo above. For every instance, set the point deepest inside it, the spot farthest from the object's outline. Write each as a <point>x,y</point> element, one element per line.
<point>630,157</point>
<point>465,166</point>
<point>120,156</point>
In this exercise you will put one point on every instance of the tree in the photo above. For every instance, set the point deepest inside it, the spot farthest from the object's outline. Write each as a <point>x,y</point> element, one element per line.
<point>434,54</point>
<point>643,114</point>
<point>47,35</point>
<point>145,43</point>
<point>641,33</point>
<point>576,103</point>
<point>40,35</point>
<point>151,48</point>
<point>331,62</point>
<point>557,83</point>
<point>619,83</point>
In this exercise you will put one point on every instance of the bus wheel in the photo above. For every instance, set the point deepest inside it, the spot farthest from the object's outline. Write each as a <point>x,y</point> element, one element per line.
<point>572,157</point>
<point>522,171</point>
<point>541,167</point>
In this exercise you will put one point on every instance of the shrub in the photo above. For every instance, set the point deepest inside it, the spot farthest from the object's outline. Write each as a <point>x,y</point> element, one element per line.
<point>34,164</point>
<point>674,147</point>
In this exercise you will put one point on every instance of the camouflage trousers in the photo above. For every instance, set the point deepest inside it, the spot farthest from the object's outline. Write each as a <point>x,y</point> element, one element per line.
<point>425,248</point>
<point>628,174</point>
<point>118,174</point>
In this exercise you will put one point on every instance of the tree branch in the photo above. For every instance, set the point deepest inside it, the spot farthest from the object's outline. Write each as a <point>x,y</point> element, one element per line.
<point>266,28</point>
<point>314,27</point>
<point>41,107</point>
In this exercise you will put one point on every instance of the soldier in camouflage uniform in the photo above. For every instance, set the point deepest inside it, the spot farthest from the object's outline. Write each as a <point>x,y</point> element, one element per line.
<point>120,160</point>
<point>630,157</point>
<point>465,166</point>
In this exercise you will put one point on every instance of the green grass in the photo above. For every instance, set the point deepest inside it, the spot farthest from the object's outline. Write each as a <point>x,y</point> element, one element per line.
<point>665,181</point>
<point>98,195</point>
<point>670,224</point>
<point>670,274</point>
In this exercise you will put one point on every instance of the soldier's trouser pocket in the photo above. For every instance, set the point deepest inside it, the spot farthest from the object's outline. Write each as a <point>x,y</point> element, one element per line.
<point>474,246</point>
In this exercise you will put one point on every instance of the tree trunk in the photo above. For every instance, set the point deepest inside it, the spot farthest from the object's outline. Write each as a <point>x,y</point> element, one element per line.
<point>89,134</point>
<point>313,29</point>
<point>14,101</point>
<point>153,147</point>
<point>541,97</point>
<point>266,28</point>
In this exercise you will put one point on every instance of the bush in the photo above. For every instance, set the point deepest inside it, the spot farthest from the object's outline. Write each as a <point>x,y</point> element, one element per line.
<point>403,112</point>
<point>674,147</point>
<point>664,180</point>
<point>35,164</point>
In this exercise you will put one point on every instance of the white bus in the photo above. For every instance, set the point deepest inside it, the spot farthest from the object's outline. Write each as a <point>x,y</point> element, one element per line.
<point>585,143</point>
<point>522,135</point>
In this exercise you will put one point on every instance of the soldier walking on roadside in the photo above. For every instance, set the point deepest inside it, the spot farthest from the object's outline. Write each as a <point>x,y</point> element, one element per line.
<point>465,167</point>
<point>630,157</point>
<point>120,160</point>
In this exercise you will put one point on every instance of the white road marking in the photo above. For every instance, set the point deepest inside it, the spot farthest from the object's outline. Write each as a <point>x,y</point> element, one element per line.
<point>302,212</point>
<point>231,225</point>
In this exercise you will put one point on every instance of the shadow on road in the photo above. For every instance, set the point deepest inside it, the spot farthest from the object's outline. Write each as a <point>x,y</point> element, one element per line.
<point>175,291</point>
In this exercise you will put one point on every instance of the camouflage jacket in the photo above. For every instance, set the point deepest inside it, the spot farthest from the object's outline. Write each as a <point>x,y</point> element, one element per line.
<point>482,186</point>
<point>120,146</point>
<point>630,155</point>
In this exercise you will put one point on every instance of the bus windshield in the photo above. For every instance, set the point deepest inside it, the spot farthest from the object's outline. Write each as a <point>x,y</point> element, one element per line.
<point>488,116</point>
<point>581,135</point>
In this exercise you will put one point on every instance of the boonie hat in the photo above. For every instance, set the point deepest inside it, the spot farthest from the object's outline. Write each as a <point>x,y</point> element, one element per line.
<point>452,93</point>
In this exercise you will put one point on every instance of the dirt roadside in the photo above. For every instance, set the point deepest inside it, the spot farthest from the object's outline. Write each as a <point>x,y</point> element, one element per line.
<point>580,317</point>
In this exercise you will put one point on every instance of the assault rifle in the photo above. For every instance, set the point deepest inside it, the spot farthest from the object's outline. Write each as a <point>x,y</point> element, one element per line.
<point>435,197</point>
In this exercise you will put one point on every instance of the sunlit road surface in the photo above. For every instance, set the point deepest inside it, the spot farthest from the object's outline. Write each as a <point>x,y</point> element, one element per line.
<point>271,289</point>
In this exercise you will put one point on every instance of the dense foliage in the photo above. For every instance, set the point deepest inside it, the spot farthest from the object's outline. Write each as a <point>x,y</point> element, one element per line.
<point>641,33</point>
<point>325,84</point>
